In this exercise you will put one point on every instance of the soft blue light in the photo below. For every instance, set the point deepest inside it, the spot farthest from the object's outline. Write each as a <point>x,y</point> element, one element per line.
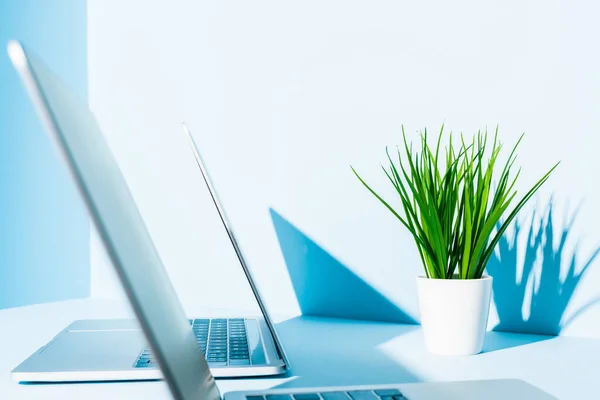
<point>44,229</point>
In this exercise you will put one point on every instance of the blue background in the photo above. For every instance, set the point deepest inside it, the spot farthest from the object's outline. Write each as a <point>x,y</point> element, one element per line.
<point>283,126</point>
<point>281,111</point>
<point>44,230</point>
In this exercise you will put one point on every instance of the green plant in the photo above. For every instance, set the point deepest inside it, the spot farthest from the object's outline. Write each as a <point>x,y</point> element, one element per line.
<point>454,215</point>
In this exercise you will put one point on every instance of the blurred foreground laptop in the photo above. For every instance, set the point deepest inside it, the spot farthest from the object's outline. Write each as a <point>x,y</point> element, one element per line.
<point>114,349</point>
<point>174,344</point>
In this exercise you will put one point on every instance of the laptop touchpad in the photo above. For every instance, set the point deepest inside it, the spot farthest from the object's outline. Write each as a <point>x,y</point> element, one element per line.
<point>91,351</point>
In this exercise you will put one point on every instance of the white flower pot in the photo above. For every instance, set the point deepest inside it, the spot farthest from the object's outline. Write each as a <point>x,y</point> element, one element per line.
<point>454,314</point>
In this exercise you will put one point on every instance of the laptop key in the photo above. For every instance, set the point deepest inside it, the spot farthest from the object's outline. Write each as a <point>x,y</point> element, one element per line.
<point>217,363</point>
<point>334,396</point>
<point>255,398</point>
<point>240,362</point>
<point>307,396</point>
<point>238,349</point>
<point>145,366</point>
<point>279,397</point>
<point>362,395</point>
<point>386,392</point>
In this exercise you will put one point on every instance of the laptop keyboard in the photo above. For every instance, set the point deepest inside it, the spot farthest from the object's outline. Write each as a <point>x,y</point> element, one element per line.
<point>223,342</point>
<point>377,394</point>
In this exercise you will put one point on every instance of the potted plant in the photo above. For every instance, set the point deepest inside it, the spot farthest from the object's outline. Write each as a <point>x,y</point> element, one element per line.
<point>456,208</point>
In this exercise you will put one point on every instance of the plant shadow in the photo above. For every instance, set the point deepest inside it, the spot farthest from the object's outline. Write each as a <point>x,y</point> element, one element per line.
<point>325,287</point>
<point>544,292</point>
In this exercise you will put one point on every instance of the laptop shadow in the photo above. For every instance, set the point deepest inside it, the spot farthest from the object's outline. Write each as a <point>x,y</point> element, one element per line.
<point>316,359</point>
<point>325,287</point>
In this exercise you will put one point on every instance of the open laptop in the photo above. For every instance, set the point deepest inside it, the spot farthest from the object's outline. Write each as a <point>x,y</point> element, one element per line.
<point>114,349</point>
<point>143,276</point>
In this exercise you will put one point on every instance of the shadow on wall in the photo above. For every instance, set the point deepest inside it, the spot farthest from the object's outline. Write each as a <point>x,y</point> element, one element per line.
<point>324,286</point>
<point>546,291</point>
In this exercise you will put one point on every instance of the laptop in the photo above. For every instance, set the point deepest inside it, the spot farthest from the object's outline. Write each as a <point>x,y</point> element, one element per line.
<point>142,274</point>
<point>114,349</point>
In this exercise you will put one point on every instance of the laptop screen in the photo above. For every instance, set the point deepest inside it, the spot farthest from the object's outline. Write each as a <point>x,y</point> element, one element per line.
<point>229,229</point>
<point>75,131</point>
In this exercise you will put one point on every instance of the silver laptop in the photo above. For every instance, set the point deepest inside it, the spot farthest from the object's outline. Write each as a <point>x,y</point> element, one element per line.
<point>110,350</point>
<point>161,316</point>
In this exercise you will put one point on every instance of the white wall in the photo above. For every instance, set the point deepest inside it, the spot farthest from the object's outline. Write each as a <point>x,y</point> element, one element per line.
<point>282,96</point>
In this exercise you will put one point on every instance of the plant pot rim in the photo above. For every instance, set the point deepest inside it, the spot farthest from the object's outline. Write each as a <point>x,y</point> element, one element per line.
<point>483,278</point>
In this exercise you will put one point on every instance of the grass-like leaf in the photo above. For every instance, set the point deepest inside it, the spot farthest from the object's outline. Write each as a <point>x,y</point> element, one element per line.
<point>450,206</point>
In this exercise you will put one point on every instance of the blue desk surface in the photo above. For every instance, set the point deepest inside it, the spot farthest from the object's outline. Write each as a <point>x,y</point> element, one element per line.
<point>322,352</point>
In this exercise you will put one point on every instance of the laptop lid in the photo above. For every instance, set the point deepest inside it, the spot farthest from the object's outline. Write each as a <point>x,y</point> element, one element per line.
<point>234,242</point>
<point>73,128</point>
